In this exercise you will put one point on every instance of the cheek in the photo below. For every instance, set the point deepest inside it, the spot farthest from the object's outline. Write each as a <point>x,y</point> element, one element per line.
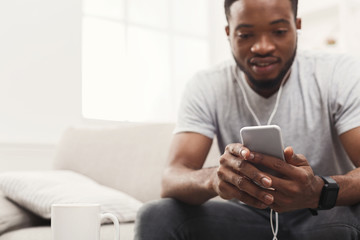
<point>291,41</point>
<point>288,47</point>
<point>240,51</point>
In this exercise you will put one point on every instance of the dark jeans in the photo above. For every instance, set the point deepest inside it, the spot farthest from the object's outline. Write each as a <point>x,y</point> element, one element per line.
<point>171,219</point>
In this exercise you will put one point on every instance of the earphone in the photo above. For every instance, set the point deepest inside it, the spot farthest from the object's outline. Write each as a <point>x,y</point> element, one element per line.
<point>242,78</point>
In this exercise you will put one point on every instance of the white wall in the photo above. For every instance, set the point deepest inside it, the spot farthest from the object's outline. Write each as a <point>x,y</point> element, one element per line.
<point>220,48</point>
<point>40,79</point>
<point>40,69</point>
<point>330,19</point>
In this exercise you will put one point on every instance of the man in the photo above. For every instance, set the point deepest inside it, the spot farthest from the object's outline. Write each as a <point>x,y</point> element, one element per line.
<point>314,98</point>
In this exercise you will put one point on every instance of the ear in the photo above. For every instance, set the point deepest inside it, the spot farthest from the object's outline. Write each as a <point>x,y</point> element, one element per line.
<point>298,23</point>
<point>227,30</point>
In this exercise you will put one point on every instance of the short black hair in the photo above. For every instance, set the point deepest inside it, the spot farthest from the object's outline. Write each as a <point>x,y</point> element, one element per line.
<point>228,3</point>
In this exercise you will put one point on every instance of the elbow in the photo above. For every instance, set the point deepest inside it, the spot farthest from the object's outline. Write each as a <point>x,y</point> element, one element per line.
<point>165,189</point>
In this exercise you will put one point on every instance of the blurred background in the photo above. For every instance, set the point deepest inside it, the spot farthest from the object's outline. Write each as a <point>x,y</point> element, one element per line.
<point>73,62</point>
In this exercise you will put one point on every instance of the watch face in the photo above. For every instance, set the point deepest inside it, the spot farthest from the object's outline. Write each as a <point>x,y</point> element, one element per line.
<point>329,193</point>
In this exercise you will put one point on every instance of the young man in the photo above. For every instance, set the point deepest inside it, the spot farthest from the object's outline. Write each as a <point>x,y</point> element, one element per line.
<point>314,98</point>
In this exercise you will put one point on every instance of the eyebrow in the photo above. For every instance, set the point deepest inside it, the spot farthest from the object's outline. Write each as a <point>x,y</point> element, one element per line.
<point>243,25</point>
<point>282,20</point>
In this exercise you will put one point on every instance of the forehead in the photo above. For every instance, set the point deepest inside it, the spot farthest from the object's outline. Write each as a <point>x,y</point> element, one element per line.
<point>252,11</point>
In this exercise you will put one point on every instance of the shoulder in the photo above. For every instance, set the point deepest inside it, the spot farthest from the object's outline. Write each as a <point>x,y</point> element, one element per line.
<point>328,70</point>
<point>326,62</point>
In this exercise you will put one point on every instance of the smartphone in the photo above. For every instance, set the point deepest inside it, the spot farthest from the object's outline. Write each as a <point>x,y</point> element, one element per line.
<point>265,139</point>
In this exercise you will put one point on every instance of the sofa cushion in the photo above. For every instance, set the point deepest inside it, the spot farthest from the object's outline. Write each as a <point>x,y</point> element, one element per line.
<point>38,190</point>
<point>130,158</point>
<point>13,217</point>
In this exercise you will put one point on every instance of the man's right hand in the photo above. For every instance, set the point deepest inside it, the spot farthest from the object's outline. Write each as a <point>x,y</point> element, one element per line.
<point>238,178</point>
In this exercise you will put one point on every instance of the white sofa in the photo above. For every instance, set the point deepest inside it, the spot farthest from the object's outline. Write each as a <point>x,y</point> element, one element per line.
<point>129,158</point>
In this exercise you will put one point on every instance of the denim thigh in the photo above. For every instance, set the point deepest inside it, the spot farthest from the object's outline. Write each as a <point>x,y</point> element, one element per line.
<point>172,219</point>
<point>227,220</point>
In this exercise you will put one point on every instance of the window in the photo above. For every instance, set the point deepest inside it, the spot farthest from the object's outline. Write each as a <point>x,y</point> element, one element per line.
<point>138,55</point>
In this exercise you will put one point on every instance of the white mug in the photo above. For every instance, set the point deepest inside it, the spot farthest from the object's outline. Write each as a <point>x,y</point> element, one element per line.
<point>79,221</point>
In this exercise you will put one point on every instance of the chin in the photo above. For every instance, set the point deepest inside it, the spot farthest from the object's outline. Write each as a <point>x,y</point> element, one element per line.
<point>265,84</point>
<point>264,79</point>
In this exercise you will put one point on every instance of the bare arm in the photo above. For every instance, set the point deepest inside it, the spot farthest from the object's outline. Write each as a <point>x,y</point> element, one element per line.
<point>350,183</point>
<point>184,178</point>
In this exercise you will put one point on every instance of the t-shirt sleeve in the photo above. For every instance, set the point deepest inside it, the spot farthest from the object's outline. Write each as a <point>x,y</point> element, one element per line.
<point>196,112</point>
<point>346,95</point>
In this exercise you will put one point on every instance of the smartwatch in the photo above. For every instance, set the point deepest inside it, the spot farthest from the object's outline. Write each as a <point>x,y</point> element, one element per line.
<point>329,193</point>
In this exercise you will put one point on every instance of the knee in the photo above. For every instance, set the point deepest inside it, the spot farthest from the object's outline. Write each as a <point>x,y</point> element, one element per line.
<point>153,219</point>
<point>148,211</point>
<point>155,211</point>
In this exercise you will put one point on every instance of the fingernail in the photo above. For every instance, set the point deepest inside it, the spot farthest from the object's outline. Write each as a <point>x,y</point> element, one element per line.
<point>251,157</point>
<point>243,153</point>
<point>269,199</point>
<point>266,182</point>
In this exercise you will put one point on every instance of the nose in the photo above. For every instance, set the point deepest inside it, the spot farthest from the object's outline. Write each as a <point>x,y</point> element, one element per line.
<point>263,45</point>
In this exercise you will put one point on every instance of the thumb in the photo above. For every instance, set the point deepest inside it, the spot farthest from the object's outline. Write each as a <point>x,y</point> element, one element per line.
<point>295,159</point>
<point>288,153</point>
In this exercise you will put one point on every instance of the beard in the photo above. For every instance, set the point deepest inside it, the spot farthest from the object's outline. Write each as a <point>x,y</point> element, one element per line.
<point>271,83</point>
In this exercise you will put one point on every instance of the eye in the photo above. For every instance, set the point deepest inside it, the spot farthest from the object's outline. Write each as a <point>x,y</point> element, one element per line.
<point>244,35</point>
<point>280,32</point>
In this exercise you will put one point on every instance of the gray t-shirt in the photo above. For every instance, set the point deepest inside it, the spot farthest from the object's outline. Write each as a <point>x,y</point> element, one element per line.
<point>320,101</point>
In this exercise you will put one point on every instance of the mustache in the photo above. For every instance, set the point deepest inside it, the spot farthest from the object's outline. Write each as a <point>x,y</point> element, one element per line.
<point>267,57</point>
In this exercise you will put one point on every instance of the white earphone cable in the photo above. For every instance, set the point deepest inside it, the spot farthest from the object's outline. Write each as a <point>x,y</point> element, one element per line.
<point>274,231</point>
<point>276,103</point>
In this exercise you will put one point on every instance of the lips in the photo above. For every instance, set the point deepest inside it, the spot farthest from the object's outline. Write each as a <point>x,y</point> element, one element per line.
<point>264,65</point>
<point>263,61</point>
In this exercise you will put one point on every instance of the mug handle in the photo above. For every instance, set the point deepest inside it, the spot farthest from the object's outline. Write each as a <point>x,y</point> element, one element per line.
<point>115,220</point>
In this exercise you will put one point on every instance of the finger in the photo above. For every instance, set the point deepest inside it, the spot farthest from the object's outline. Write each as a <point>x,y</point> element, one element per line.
<point>276,208</point>
<point>246,154</point>
<point>298,160</point>
<point>244,184</point>
<point>288,153</point>
<point>273,163</point>
<point>228,191</point>
<point>249,170</point>
<point>251,201</point>
<point>294,159</point>
<point>237,149</point>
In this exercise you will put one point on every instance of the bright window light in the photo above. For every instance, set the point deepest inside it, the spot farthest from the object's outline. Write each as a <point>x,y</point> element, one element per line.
<point>139,54</point>
<point>154,13</point>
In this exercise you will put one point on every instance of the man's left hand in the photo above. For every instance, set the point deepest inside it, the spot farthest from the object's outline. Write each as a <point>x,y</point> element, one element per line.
<point>298,187</point>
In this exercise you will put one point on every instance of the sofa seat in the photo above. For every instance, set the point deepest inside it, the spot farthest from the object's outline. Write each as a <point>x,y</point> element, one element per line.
<point>44,232</point>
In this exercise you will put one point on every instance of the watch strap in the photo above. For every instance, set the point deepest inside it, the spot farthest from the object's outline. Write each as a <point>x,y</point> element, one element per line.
<point>329,193</point>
